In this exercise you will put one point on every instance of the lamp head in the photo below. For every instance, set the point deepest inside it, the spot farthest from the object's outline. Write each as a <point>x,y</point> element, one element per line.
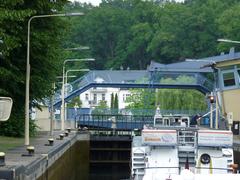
<point>74,14</point>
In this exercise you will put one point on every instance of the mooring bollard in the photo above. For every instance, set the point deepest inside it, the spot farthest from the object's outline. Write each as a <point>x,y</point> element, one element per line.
<point>61,136</point>
<point>66,133</point>
<point>85,128</point>
<point>30,150</point>
<point>51,141</point>
<point>137,132</point>
<point>2,159</point>
<point>68,130</point>
<point>79,128</point>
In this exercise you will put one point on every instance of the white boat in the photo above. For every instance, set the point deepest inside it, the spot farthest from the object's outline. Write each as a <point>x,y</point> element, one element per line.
<point>171,149</point>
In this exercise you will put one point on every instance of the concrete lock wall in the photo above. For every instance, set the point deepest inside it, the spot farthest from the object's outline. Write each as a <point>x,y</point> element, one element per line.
<point>42,120</point>
<point>73,164</point>
<point>69,160</point>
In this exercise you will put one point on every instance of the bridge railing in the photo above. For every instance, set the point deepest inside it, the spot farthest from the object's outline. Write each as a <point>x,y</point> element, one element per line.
<point>179,78</point>
<point>117,122</point>
<point>147,78</point>
<point>73,113</point>
<point>71,87</point>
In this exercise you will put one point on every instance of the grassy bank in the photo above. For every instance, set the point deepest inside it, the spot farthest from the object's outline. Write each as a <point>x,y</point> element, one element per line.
<point>7,143</point>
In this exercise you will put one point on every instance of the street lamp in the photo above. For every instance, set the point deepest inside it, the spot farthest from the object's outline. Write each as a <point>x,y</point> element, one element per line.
<point>78,48</point>
<point>52,108</point>
<point>66,79</point>
<point>1,42</point>
<point>63,86</point>
<point>28,67</point>
<point>74,70</point>
<point>60,77</point>
<point>228,41</point>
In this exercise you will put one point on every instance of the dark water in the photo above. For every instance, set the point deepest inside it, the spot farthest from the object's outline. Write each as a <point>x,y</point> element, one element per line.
<point>109,171</point>
<point>110,158</point>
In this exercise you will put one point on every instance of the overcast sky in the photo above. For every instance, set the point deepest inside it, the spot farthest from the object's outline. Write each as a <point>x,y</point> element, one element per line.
<point>96,2</point>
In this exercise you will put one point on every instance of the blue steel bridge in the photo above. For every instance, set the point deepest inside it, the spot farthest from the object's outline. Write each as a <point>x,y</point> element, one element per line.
<point>154,77</point>
<point>183,75</point>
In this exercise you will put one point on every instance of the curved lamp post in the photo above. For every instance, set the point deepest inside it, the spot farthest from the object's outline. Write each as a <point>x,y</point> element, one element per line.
<point>74,70</point>
<point>66,79</point>
<point>228,41</point>
<point>63,87</point>
<point>78,48</point>
<point>28,67</point>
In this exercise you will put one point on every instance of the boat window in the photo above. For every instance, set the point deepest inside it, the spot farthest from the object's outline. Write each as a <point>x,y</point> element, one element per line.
<point>185,120</point>
<point>166,122</point>
<point>227,67</point>
<point>228,79</point>
<point>158,121</point>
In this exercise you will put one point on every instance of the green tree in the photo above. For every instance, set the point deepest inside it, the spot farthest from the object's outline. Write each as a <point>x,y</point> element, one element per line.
<point>44,59</point>
<point>123,31</point>
<point>75,102</point>
<point>168,99</point>
<point>229,25</point>
<point>112,101</point>
<point>116,102</point>
<point>141,99</point>
<point>104,30</point>
<point>177,99</point>
<point>101,108</point>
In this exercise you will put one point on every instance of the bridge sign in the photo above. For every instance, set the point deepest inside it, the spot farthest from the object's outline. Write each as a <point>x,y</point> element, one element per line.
<point>5,108</point>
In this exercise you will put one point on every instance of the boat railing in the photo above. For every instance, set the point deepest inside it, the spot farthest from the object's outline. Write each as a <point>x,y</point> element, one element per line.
<point>180,168</point>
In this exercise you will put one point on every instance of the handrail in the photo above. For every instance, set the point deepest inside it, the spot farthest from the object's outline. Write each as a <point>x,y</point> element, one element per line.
<point>168,79</point>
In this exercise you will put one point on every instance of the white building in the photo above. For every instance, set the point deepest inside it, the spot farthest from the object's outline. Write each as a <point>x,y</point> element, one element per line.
<point>92,97</point>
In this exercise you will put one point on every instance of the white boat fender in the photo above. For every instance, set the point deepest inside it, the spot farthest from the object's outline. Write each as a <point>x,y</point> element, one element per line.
<point>186,174</point>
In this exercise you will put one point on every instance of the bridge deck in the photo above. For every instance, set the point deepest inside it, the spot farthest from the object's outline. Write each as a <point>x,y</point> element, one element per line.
<point>135,79</point>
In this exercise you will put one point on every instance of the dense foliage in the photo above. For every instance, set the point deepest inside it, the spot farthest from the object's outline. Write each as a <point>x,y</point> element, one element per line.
<point>131,33</point>
<point>178,100</point>
<point>46,36</point>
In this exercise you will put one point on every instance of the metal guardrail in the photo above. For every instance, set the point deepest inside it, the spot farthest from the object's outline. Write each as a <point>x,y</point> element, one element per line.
<point>120,122</point>
<point>73,113</point>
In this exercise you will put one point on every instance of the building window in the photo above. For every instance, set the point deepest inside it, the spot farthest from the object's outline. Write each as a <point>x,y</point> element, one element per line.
<point>95,97</point>
<point>103,97</point>
<point>228,79</point>
<point>86,97</point>
<point>125,96</point>
<point>227,67</point>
